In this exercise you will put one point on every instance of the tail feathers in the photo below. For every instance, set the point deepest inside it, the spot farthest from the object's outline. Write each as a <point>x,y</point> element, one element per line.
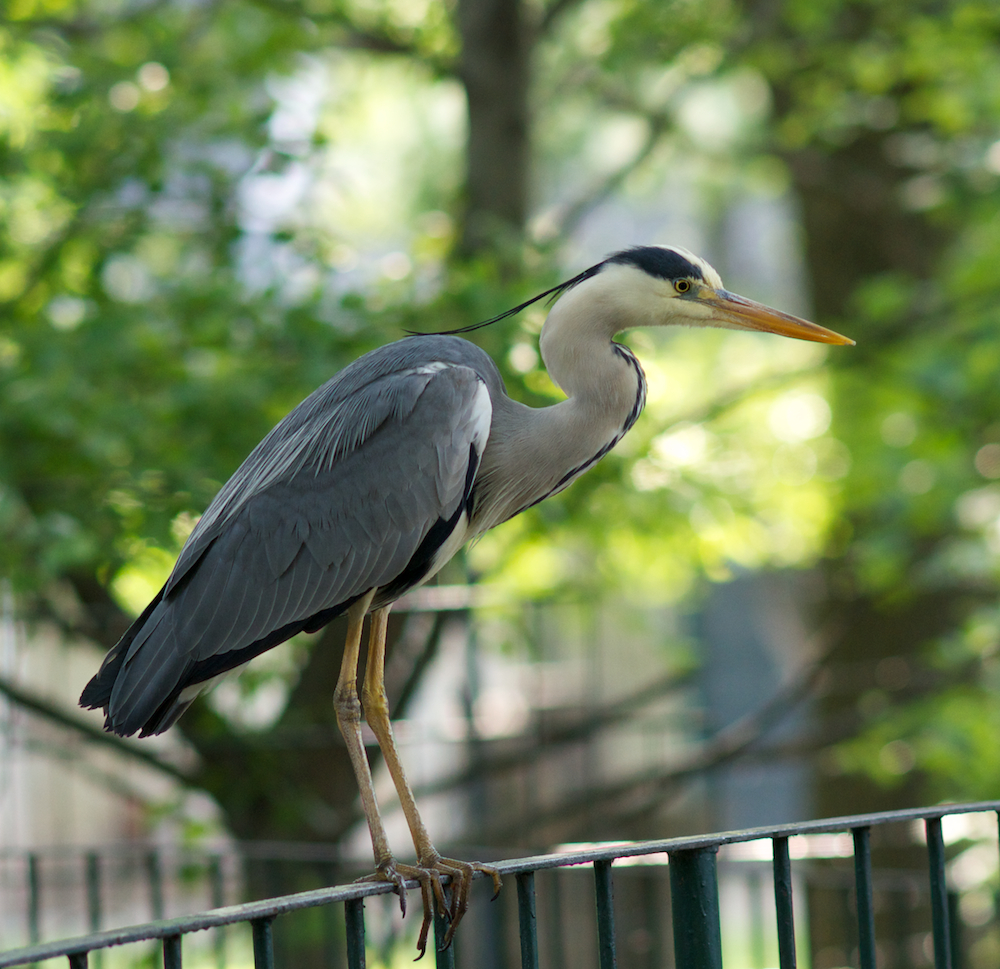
<point>97,693</point>
<point>166,715</point>
<point>139,671</point>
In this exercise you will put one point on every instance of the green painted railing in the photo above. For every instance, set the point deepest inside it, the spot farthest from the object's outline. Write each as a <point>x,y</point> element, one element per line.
<point>694,894</point>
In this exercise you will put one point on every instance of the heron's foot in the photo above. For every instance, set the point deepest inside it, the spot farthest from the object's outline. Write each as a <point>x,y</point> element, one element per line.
<point>431,891</point>
<point>460,875</point>
<point>428,876</point>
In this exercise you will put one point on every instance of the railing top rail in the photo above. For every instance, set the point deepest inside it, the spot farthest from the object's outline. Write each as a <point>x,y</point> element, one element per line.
<point>630,849</point>
<point>269,908</point>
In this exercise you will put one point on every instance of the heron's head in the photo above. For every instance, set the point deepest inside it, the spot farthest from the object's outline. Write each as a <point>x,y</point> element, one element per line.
<point>664,285</point>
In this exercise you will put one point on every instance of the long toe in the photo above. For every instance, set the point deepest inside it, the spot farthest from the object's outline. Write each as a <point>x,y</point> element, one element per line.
<point>432,893</point>
<point>428,875</point>
<point>460,874</point>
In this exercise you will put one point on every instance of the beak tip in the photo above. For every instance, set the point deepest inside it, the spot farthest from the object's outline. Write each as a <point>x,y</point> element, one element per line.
<point>836,340</point>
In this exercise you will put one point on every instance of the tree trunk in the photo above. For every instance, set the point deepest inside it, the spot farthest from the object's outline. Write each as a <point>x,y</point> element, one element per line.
<point>494,67</point>
<point>856,228</point>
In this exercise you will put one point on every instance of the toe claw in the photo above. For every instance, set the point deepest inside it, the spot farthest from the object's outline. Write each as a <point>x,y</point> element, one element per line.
<point>439,893</point>
<point>497,881</point>
<point>451,903</point>
<point>388,872</point>
<point>399,884</point>
<point>428,900</point>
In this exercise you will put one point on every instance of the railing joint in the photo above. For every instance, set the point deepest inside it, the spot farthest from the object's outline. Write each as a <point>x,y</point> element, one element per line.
<point>694,901</point>
<point>863,888</point>
<point>939,894</point>
<point>354,916</point>
<point>783,906</point>
<point>172,952</point>
<point>527,919</point>
<point>604,888</point>
<point>263,943</point>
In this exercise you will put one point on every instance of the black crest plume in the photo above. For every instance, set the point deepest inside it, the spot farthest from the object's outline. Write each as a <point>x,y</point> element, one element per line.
<point>661,261</point>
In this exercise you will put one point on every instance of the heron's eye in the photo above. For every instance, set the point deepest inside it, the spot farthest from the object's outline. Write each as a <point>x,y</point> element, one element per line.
<point>682,286</point>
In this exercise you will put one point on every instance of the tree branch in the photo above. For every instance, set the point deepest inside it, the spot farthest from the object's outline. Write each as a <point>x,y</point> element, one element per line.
<point>357,37</point>
<point>573,213</point>
<point>727,744</point>
<point>551,14</point>
<point>542,742</point>
<point>56,714</point>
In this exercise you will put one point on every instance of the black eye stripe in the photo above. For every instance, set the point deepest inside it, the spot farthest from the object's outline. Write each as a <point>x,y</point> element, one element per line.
<point>658,261</point>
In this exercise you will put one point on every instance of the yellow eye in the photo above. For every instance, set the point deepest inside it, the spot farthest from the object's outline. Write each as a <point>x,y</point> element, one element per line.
<point>682,286</point>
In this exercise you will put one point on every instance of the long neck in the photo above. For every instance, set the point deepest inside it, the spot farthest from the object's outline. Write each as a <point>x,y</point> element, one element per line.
<point>535,452</point>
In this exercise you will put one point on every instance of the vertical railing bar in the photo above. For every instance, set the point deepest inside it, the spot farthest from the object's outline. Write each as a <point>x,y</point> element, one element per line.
<point>78,960</point>
<point>263,943</point>
<point>331,937</point>
<point>354,916</point>
<point>694,904</point>
<point>604,888</point>
<point>172,952</point>
<point>955,930</point>
<point>783,905</point>
<point>34,899</point>
<point>154,873</point>
<point>556,954</point>
<point>755,892</point>
<point>444,958</point>
<point>217,884</point>
<point>939,893</point>
<point>527,919</point>
<point>652,915</point>
<point>863,889</point>
<point>93,864</point>
<point>93,891</point>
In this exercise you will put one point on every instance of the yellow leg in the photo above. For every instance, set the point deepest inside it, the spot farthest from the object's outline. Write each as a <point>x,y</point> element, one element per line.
<point>348,709</point>
<point>430,864</point>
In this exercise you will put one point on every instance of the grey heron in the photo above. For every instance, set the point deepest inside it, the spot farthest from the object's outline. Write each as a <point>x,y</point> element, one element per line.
<point>372,483</point>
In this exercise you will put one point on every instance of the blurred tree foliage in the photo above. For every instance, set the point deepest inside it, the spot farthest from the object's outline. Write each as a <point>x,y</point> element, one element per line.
<point>208,208</point>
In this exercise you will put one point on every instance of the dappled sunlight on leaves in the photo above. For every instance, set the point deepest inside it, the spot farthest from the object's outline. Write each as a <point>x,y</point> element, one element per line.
<point>138,582</point>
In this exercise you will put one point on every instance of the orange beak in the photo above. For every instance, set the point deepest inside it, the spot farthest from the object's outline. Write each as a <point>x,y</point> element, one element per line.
<point>747,315</point>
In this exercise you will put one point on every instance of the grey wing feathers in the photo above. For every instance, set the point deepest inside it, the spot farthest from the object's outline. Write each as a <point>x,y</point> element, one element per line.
<point>333,420</point>
<point>342,497</point>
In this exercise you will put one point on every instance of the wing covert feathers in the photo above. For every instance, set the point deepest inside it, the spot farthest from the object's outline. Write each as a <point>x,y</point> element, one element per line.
<point>335,501</point>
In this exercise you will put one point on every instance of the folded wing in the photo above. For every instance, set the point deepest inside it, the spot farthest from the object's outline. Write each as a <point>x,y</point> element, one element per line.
<point>356,490</point>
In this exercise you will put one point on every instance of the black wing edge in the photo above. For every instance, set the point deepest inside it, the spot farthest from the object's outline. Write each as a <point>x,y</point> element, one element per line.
<point>97,693</point>
<point>170,710</point>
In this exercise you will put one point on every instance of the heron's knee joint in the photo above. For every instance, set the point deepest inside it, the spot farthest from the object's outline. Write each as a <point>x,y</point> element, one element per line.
<point>347,706</point>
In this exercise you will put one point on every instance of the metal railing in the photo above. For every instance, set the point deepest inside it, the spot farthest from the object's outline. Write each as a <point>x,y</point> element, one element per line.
<point>694,900</point>
<point>62,889</point>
